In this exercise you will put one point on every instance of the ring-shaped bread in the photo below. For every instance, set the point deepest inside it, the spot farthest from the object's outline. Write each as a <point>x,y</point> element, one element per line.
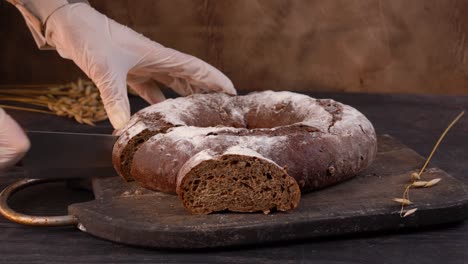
<point>252,152</point>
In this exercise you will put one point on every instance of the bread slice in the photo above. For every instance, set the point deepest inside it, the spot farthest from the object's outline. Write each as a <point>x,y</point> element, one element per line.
<point>129,142</point>
<point>239,180</point>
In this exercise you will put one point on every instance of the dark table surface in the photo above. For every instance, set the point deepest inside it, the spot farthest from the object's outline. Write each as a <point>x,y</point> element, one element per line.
<point>416,120</point>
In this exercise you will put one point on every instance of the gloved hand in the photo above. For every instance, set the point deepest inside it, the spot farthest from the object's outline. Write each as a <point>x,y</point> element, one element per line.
<point>13,141</point>
<point>113,55</point>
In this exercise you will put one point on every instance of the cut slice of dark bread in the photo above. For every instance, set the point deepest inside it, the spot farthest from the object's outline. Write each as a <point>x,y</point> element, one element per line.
<point>237,182</point>
<point>203,110</point>
<point>130,141</point>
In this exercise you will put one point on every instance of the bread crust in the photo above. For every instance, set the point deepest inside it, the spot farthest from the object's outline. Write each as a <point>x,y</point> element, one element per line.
<point>319,141</point>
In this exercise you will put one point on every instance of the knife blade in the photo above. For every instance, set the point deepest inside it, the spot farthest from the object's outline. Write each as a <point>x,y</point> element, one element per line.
<point>69,155</point>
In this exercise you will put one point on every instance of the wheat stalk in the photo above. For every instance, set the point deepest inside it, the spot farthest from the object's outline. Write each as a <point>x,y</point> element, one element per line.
<point>26,109</point>
<point>77,100</point>
<point>415,177</point>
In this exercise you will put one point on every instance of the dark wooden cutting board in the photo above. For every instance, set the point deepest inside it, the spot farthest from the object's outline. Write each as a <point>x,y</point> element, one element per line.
<point>125,213</point>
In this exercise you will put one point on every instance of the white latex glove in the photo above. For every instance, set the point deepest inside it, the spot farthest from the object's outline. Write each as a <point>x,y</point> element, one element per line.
<point>13,141</point>
<point>113,55</point>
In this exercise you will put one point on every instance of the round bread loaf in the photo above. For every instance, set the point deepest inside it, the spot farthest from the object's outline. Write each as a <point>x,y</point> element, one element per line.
<point>244,153</point>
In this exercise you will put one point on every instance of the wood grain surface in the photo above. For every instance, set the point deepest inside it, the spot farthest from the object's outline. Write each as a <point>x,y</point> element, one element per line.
<point>417,121</point>
<point>337,45</point>
<point>126,213</point>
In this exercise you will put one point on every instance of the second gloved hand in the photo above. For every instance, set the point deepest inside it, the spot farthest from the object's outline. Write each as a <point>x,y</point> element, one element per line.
<point>13,141</point>
<point>113,55</point>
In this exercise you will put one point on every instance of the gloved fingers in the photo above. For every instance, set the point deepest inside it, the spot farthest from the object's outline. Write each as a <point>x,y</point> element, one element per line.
<point>186,71</point>
<point>113,90</point>
<point>184,87</point>
<point>147,89</point>
<point>13,141</point>
<point>179,85</point>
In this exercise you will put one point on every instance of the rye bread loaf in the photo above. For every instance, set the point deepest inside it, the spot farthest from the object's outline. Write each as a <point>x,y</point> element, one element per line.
<point>319,142</point>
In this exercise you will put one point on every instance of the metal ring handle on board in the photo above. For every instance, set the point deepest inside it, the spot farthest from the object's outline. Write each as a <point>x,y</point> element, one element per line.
<point>33,220</point>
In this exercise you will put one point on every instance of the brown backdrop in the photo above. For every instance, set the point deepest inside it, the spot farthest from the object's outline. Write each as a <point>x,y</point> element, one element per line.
<point>336,45</point>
